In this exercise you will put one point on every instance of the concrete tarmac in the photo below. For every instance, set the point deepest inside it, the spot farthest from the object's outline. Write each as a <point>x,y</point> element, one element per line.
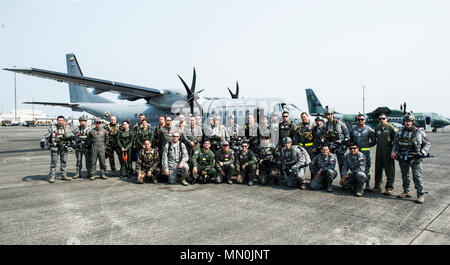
<point>113,211</point>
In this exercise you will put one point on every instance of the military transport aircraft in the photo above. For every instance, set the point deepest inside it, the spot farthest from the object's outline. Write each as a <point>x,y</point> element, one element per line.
<point>85,96</point>
<point>430,120</point>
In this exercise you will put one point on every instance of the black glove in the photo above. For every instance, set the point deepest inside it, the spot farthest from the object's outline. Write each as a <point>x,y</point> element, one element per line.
<point>43,145</point>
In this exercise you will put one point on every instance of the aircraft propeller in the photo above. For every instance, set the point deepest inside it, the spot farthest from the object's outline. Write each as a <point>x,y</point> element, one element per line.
<point>191,95</point>
<point>235,95</point>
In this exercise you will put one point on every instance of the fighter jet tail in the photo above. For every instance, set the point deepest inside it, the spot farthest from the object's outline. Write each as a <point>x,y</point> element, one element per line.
<point>314,105</point>
<point>80,94</point>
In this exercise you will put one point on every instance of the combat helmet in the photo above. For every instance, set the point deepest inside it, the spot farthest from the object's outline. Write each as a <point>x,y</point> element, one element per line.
<point>408,117</point>
<point>329,110</point>
<point>287,140</point>
<point>83,118</point>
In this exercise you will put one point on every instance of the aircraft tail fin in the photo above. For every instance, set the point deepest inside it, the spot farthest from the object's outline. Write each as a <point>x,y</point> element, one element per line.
<point>80,94</point>
<point>314,105</point>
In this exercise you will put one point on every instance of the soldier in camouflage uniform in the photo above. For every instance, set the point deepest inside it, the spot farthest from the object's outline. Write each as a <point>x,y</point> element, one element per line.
<point>175,160</point>
<point>58,140</point>
<point>162,123</point>
<point>355,162</point>
<point>203,164</point>
<point>82,148</point>
<point>148,163</point>
<point>385,134</point>
<point>268,157</point>
<point>97,141</point>
<point>294,161</point>
<point>135,148</point>
<point>317,132</point>
<point>286,128</point>
<point>225,159</point>
<point>252,133</point>
<point>165,134</point>
<point>218,134</point>
<point>233,131</point>
<point>323,169</point>
<point>192,137</point>
<point>274,129</point>
<point>410,146</point>
<point>245,164</point>
<point>112,130</point>
<point>125,143</point>
<point>336,133</point>
<point>144,132</point>
<point>364,137</point>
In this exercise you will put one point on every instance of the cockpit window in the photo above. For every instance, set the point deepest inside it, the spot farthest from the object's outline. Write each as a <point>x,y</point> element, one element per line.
<point>293,107</point>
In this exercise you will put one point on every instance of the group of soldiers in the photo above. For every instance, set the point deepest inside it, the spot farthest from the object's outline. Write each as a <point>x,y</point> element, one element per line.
<point>190,151</point>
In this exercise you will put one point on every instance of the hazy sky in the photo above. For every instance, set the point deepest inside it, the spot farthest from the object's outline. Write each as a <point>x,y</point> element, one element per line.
<point>400,49</point>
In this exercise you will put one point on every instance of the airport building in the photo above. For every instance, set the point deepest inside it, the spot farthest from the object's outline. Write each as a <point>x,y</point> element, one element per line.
<point>23,115</point>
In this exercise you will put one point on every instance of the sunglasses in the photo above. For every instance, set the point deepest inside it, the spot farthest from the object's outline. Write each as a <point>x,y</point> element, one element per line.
<point>244,146</point>
<point>353,148</point>
<point>382,119</point>
<point>361,119</point>
<point>285,116</point>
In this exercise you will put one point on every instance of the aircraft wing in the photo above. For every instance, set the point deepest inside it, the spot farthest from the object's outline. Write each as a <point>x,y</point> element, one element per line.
<point>126,91</point>
<point>66,105</point>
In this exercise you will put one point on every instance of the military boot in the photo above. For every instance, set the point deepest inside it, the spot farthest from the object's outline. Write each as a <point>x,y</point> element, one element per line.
<point>113,173</point>
<point>250,182</point>
<point>77,175</point>
<point>377,188</point>
<point>404,195</point>
<point>388,192</point>
<point>329,185</point>
<point>359,190</point>
<point>230,181</point>
<point>184,183</point>
<point>154,179</point>
<point>420,198</point>
<point>104,176</point>
<point>66,178</point>
<point>303,186</point>
<point>368,187</point>
<point>52,180</point>
<point>93,177</point>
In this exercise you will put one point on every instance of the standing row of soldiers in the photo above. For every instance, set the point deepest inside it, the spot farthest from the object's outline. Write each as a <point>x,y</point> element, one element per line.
<point>197,153</point>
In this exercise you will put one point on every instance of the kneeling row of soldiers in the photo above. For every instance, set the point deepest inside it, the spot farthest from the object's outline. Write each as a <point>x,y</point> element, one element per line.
<point>177,159</point>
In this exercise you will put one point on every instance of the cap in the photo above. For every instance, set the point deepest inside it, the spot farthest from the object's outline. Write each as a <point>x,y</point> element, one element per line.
<point>98,121</point>
<point>225,143</point>
<point>83,118</point>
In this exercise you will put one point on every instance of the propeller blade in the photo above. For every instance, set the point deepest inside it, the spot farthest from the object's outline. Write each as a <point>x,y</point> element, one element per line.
<point>188,91</point>
<point>231,93</point>
<point>237,90</point>
<point>193,82</point>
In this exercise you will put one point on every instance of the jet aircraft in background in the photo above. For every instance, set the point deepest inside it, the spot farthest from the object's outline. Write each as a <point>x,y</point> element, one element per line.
<point>428,120</point>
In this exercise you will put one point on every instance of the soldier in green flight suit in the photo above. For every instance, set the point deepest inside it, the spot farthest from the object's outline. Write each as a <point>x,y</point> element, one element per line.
<point>144,132</point>
<point>97,141</point>
<point>203,164</point>
<point>112,130</point>
<point>225,163</point>
<point>385,134</point>
<point>148,163</point>
<point>125,142</point>
<point>245,164</point>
